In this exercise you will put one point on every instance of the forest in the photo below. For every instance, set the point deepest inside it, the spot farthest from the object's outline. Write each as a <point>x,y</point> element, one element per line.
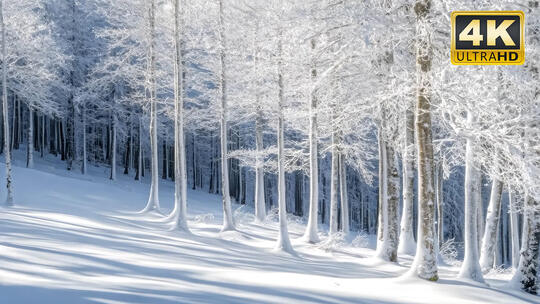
<point>343,116</point>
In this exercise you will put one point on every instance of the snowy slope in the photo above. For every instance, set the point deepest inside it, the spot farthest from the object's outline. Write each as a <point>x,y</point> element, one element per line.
<point>75,239</point>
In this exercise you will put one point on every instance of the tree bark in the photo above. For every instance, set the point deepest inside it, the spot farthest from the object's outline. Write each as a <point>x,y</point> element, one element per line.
<point>153,199</point>
<point>311,235</point>
<point>228,221</point>
<point>345,226</point>
<point>407,244</point>
<point>470,269</point>
<point>9,186</point>
<point>492,222</point>
<point>180,175</point>
<point>283,241</point>
<point>30,140</point>
<point>424,264</point>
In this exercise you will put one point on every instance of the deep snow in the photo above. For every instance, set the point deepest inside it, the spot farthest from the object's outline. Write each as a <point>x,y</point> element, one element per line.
<point>79,239</point>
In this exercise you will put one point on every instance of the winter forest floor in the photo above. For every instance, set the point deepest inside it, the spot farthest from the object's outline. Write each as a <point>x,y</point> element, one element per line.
<point>78,239</point>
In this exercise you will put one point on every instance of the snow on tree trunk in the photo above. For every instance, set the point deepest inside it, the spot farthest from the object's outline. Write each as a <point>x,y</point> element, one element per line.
<point>153,199</point>
<point>527,273</point>
<point>440,204</point>
<point>424,264</point>
<point>180,175</point>
<point>514,229</point>
<point>407,244</point>
<point>311,235</point>
<point>492,222</point>
<point>113,147</point>
<point>392,203</point>
<point>283,241</point>
<point>388,222</point>
<point>7,152</point>
<point>480,209</point>
<point>260,205</point>
<point>138,174</point>
<point>30,140</point>
<point>334,183</point>
<point>470,269</point>
<point>228,221</point>
<point>84,160</point>
<point>344,195</point>
<point>383,200</point>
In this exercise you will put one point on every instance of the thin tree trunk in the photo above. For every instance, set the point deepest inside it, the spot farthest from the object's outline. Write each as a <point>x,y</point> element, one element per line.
<point>180,175</point>
<point>153,199</point>
<point>228,221</point>
<point>30,141</point>
<point>84,160</point>
<point>334,180</point>
<point>7,155</point>
<point>283,241</point>
<point>260,204</point>
<point>113,147</point>
<point>345,226</point>
<point>514,229</point>
<point>311,235</point>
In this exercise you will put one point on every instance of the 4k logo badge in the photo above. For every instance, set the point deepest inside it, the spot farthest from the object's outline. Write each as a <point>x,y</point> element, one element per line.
<point>487,37</point>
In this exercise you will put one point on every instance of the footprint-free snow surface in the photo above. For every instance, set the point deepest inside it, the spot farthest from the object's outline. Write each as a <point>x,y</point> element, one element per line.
<point>79,239</point>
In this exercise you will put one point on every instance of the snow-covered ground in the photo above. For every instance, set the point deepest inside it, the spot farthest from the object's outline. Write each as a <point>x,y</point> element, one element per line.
<point>79,239</point>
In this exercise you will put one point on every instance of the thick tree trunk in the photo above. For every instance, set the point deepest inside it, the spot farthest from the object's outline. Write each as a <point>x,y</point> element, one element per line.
<point>407,244</point>
<point>492,222</point>
<point>527,273</point>
<point>424,264</point>
<point>228,221</point>
<point>470,269</point>
<point>311,235</point>
<point>7,152</point>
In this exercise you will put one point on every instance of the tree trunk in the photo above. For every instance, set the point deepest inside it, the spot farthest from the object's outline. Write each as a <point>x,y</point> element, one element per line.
<point>345,226</point>
<point>283,241</point>
<point>153,199</point>
<point>424,264</point>
<point>311,235</point>
<point>30,140</point>
<point>84,160</point>
<point>113,147</point>
<point>470,269</point>
<point>527,272</point>
<point>334,181</point>
<point>260,204</point>
<point>9,186</point>
<point>180,175</point>
<point>228,221</point>
<point>514,229</point>
<point>492,222</point>
<point>407,244</point>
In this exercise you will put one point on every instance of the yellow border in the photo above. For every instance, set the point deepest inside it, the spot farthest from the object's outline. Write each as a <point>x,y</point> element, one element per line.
<point>481,13</point>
